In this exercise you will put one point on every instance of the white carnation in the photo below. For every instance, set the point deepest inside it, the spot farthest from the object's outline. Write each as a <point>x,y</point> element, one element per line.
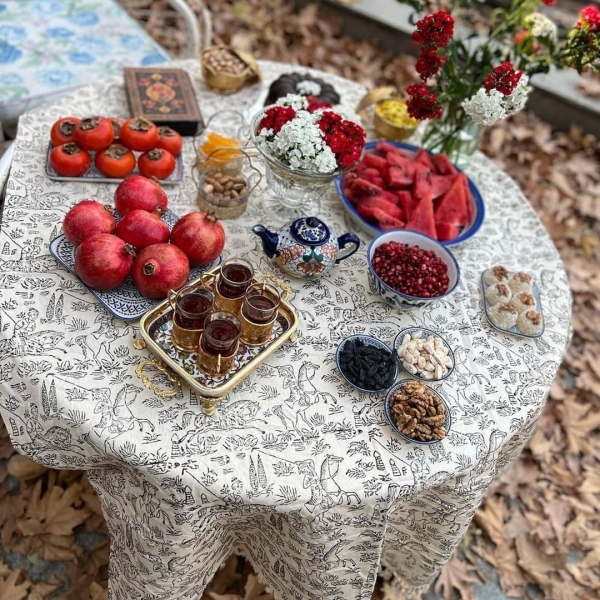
<point>485,108</point>
<point>517,100</point>
<point>296,101</point>
<point>540,26</point>
<point>308,88</point>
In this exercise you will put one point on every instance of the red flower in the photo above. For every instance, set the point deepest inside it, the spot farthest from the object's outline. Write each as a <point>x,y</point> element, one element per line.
<point>315,104</point>
<point>429,63</point>
<point>503,78</point>
<point>276,117</point>
<point>346,139</point>
<point>328,121</point>
<point>589,18</point>
<point>434,31</point>
<point>548,2</point>
<point>423,103</point>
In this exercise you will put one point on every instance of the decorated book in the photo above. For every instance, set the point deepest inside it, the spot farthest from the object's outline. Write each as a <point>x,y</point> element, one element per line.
<point>164,96</point>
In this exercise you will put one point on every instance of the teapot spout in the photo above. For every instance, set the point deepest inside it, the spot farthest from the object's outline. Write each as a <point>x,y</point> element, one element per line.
<point>269,239</point>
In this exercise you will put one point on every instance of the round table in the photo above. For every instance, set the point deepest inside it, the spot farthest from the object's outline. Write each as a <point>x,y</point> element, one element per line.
<point>296,471</point>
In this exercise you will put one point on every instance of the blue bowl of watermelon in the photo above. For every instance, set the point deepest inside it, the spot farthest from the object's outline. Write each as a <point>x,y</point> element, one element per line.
<point>397,298</point>
<point>400,186</point>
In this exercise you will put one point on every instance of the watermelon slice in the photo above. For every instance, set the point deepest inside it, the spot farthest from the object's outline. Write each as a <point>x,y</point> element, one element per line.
<point>361,188</point>
<point>440,184</point>
<point>380,218</point>
<point>397,177</point>
<point>372,161</point>
<point>446,232</point>
<point>443,165</point>
<point>422,219</point>
<point>454,206</point>
<point>393,210</point>
<point>422,187</point>
<point>407,202</point>
<point>423,157</point>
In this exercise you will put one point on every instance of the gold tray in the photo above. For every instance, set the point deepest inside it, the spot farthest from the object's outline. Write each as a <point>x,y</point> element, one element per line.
<point>178,365</point>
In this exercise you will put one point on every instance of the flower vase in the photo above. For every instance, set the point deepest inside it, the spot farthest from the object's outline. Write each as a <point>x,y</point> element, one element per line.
<point>455,135</point>
<point>292,193</point>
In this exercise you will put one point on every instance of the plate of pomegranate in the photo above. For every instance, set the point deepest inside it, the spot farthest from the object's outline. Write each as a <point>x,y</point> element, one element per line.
<point>409,269</point>
<point>399,186</point>
<point>109,149</point>
<point>129,256</point>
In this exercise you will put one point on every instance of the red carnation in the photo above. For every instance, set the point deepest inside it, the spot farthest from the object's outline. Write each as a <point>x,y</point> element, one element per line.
<point>276,117</point>
<point>314,104</point>
<point>548,2</point>
<point>429,63</point>
<point>589,18</point>
<point>346,139</point>
<point>328,120</point>
<point>503,78</point>
<point>434,31</point>
<point>423,103</point>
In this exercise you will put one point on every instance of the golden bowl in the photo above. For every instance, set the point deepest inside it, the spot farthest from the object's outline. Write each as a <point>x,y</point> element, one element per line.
<point>226,82</point>
<point>396,130</point>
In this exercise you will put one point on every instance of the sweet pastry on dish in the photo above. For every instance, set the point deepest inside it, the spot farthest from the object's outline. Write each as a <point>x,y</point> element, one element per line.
<point>530,322</point>
<point>520,282</point>
<point>499,292</point>
<point>504,315</point>
<point>524,301</point>
<point>496,274</point>
<point>304,85</point>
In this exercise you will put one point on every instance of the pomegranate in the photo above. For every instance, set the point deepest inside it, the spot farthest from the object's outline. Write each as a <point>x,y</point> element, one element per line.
<point>140,229</point>
<point>411,270</point>
<point>88,218</point>
<point>103,261</point>
<point>138,192</point>
<point>160,268</point>
<point>200,236</point>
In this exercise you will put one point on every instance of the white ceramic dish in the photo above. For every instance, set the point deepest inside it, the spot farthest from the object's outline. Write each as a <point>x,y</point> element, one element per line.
<point>412,238</point>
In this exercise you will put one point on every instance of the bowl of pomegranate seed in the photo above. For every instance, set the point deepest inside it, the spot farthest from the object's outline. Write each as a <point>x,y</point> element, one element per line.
<point>410,269</point>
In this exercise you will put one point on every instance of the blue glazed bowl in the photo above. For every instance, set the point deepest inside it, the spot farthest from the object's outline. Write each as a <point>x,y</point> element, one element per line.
<point>369,340</point>
<point>412,238</point>
<point>425,333</point>
<point>390,418</point>
<point>478,209</point>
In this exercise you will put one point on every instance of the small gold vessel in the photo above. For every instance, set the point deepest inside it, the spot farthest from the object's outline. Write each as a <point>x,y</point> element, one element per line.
<point>226,70</point>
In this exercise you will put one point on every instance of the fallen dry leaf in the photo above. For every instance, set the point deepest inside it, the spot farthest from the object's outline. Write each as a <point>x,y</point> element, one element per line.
<point>10,589</point>
<point>24,469</point>
<point>456,575</point>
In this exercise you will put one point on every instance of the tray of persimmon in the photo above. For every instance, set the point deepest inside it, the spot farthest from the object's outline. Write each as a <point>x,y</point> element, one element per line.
<point>156,328</point>
<point>106,150</point>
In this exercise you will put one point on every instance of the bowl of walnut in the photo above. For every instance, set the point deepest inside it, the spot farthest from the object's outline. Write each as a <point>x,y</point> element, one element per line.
<point>417,413</point>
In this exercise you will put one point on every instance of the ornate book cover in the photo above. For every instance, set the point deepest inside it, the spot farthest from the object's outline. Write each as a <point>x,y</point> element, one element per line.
<point>164,96</point>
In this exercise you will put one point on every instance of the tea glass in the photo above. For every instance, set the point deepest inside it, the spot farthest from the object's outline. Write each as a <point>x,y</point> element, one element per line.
<point>258,314</point>
<point>191,306</point>
<point>235,276</point>
<point>219,343</point>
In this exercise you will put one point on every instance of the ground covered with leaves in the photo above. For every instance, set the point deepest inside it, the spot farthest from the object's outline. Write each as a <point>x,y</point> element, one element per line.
<point>539,526</point>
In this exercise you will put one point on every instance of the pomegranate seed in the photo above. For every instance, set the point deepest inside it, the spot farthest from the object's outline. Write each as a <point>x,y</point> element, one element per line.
<point>411,270</point>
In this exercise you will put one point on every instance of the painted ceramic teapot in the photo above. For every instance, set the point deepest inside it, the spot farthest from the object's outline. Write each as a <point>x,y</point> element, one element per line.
<point>305,247</point>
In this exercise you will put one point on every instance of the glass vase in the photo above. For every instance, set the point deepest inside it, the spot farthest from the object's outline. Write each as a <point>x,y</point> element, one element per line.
<point>291,193</point>
<point>455,135</point>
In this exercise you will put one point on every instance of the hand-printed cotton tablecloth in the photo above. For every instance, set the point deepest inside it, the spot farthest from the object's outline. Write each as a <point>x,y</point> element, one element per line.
<point>297,470</point>
<point>48,46</point>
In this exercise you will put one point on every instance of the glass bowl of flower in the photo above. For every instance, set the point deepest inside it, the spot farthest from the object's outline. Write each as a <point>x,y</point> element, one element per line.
<point>475,76</point>
<point>304,145</point>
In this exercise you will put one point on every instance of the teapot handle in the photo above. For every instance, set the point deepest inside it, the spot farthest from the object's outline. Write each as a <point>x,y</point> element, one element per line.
<point>344,240</point>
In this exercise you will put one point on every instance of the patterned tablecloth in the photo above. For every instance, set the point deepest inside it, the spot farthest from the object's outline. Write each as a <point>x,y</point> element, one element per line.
<point>297,471</point>
<point>48,46</point>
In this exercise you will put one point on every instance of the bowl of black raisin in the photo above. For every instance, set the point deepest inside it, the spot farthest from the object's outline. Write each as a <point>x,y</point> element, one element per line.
<point>366,363</point>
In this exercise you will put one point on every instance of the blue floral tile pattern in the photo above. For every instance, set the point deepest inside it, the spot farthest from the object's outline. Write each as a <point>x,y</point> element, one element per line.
<point>47,46</point>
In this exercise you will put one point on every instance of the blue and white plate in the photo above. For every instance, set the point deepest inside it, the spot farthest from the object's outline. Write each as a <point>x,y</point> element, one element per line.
<point>477,212</point>
<point>388,413</point>
<point>125,302</point>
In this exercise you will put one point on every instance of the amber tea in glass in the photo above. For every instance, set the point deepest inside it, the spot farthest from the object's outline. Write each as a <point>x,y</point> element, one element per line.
<point>219,343</point>
<point>190,306</point>
<point>236,276</point>
<point>259,312</point>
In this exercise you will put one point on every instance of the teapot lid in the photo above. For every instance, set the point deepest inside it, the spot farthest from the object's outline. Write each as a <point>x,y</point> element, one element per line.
<point>310,231</point>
